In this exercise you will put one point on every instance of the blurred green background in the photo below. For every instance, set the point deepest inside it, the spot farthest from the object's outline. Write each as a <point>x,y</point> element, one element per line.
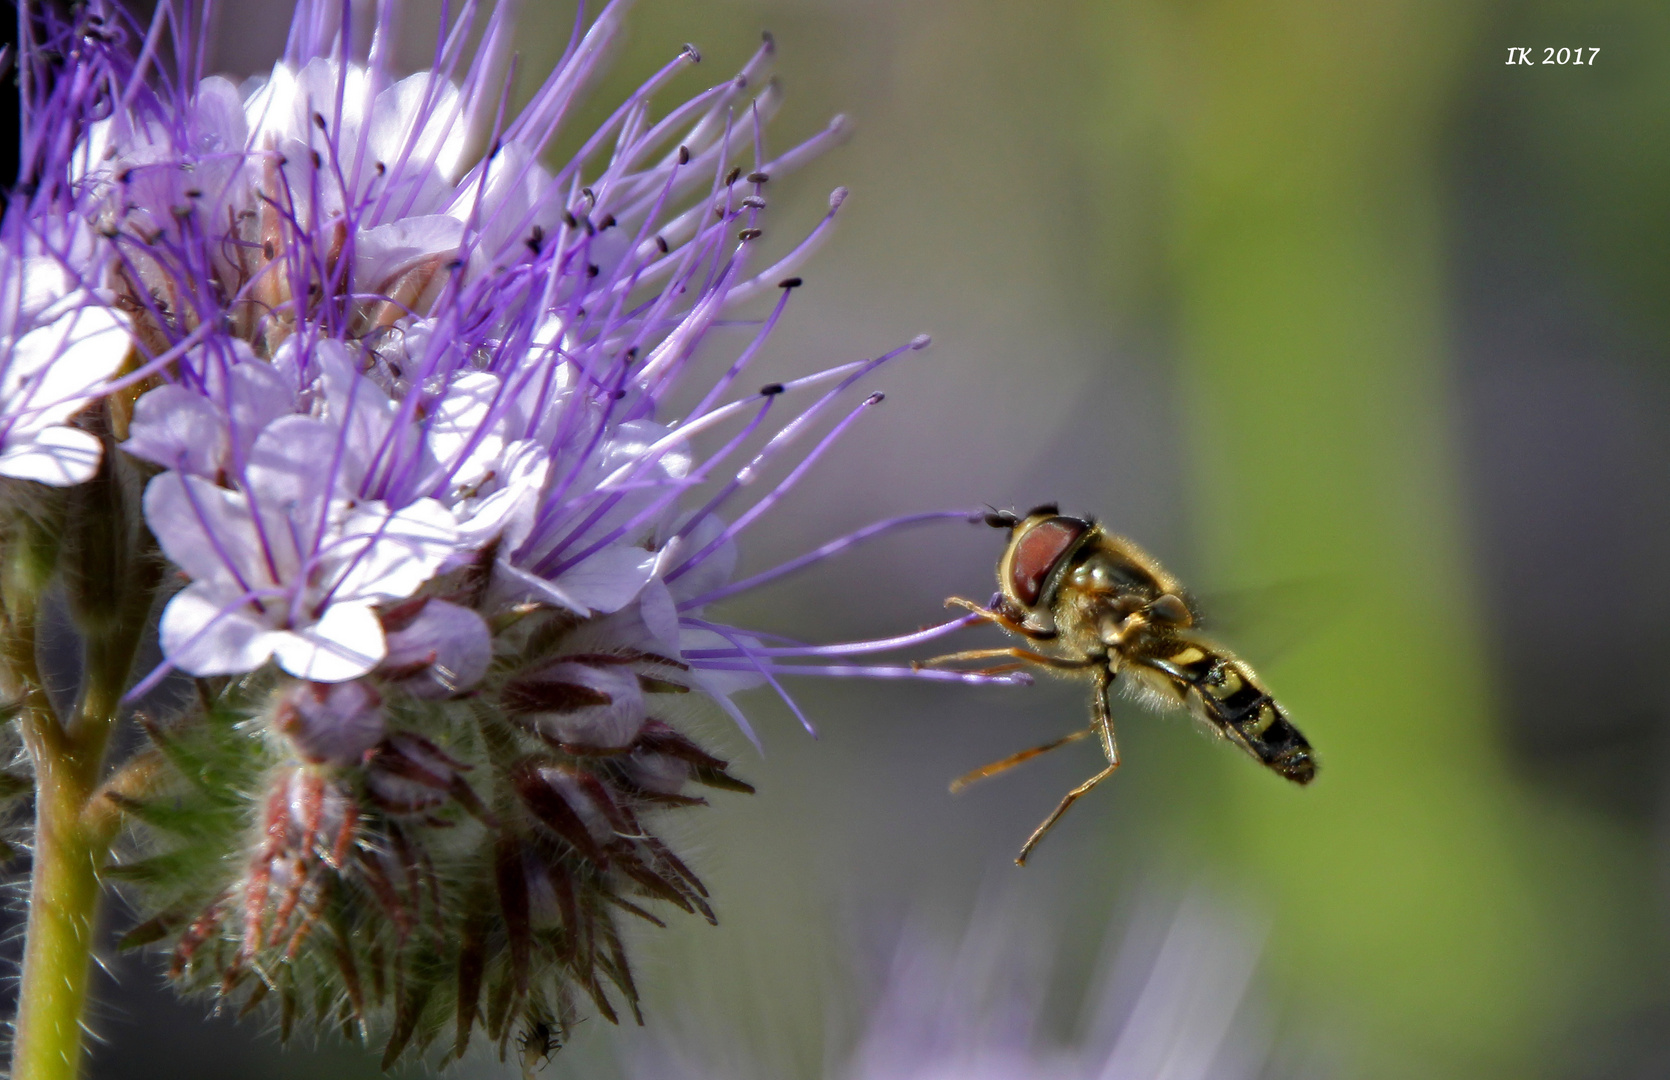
<point>1356,326</point>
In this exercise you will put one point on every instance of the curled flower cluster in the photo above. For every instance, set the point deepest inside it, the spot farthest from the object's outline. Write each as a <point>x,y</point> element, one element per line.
<point>398,406</point>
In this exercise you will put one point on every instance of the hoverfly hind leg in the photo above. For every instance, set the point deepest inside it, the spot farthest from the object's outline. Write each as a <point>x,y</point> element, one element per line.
<point>1103,726</point>
<point>987,771</point>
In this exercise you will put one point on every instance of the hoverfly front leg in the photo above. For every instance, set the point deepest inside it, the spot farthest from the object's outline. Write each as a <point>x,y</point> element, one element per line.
<point>998,616</point>
<point>1103,726</point>
<point>1027,656</point>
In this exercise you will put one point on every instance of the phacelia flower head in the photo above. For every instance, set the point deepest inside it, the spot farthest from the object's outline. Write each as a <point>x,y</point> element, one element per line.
<point>398,389</point>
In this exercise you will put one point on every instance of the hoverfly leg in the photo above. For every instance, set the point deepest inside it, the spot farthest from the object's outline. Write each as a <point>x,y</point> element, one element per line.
<point>1103,726</point>
<point>1012,760</point>
<point>1000,618</point>
<point>1026,655</point>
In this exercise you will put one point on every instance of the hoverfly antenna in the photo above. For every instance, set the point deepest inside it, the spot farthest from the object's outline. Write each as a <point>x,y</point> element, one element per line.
<point>1001,519</point>
<point>1050,509</point>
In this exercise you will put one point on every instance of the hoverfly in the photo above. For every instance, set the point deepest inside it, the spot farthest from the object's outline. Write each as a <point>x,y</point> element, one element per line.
<point>1102,607</point>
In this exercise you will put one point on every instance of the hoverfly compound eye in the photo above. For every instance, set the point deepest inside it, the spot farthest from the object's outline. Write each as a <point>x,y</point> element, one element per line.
<point>1037,551</point>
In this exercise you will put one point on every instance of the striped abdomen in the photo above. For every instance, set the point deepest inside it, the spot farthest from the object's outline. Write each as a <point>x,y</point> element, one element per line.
<point>1224,691</point>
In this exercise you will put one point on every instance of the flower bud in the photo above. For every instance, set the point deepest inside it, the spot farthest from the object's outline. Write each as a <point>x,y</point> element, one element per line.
<point>334,723</point>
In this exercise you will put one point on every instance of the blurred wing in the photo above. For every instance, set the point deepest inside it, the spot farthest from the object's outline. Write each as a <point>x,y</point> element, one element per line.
<point>1266,622</point>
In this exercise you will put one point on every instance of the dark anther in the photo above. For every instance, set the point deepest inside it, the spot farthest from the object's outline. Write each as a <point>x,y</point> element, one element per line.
<point>731,177</point>
<point>748,234</point>
<point>193,193</point>
<point>740,82</point>
<point>318,162</point>
<point>1002,519</point>
<point>619,394</point>
<point>661,242</point>
<point>592,269</point>
<point>770,41</point>
<point>319,121</point>
<point>498,144</point>
<point>589,195</point>
<point>283,161</point>
<point>267,250</point>
<point>875,399</point>
<point>754,202</point>
<point>608,222</point>
<point>1047,508</point>
<point>684,155</point>
<point>692,52</point>
<point>536,239</point>
<point>455,264</point>
<point>790,283</point>
<point>771,389</point>
<point>382,169</point>
<point>570,220</point>
<point>632,353</point>
<point>758,177</point>
<point>124,176</point>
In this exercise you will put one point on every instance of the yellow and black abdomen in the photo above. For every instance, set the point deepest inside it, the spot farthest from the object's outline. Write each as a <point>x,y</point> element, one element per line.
<point>1224,692</point>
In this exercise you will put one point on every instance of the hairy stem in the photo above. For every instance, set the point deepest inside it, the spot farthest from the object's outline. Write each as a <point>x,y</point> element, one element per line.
<point>63,911</point>
<point>111,575</point>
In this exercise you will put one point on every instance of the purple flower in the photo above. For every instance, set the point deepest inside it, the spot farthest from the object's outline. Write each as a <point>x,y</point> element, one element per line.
<point>1175,1000</point>
<point>404,410</point>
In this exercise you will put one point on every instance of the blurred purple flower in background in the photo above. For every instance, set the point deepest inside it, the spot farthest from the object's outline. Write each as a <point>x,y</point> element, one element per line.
<point>397,396</point>
<point>1174,1000</point>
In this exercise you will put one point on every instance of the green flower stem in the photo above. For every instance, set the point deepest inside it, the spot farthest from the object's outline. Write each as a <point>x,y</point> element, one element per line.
<point>74,826</point>
<point>114,573</point>
<point>63,911</point>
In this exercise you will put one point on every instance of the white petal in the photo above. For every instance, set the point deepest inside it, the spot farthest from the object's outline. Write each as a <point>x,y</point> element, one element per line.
<point>259,396</point>
<point>384,252</point>
<point>609,579</point>
<point>387,556</point>
<point>292,468</point>
<point>512,585</point>
<point>53,371</point>
<point>660,616</point>
<point>178,429</point>
<point>202,636</point>
<point>59,456</point>
<point>713,572</point>
<point>345,644</point>
<point>200,527</point>
<point>718,683</point>
<point>454,431</point>
<point>515,187</point>
<point>420,117</point>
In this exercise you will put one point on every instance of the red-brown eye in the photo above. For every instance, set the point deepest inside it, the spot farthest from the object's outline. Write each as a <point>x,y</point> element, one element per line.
<point>1036,553</point>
